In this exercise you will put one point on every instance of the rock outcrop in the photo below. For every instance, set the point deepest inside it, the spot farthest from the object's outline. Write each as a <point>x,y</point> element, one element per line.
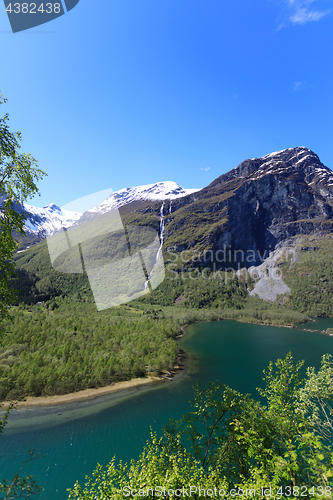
<point>252,208</point>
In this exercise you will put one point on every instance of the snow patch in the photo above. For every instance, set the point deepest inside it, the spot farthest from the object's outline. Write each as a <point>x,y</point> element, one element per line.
<point>168,190</point>
<point>49,219</point>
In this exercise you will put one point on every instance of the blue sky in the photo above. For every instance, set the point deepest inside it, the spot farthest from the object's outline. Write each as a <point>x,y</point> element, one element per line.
<point>119,93</point>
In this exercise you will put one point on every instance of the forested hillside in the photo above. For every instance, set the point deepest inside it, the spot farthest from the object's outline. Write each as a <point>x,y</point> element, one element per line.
<point>57,342</point>
<point>70,347</point>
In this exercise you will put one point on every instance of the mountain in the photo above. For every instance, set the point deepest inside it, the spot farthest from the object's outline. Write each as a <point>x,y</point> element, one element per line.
<point>247,217</point>
<point>237,219</point>
<point>250,209</point>
<point>43,222</point>
<point>168,190</point>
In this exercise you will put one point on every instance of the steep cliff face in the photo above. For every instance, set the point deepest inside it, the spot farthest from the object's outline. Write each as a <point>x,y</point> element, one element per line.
<point>256,205</point>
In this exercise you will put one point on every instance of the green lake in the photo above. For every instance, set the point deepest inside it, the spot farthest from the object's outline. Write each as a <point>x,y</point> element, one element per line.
<point>73,438</point>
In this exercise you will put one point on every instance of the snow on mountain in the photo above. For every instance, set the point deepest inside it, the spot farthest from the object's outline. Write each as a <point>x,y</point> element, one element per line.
<point>299,159</point>
<point>44,222</point>
<point>168,190</point>
<point>49,219</point>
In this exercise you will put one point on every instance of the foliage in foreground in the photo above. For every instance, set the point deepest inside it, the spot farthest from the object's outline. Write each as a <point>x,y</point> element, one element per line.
<point>18,176</point>
<point>229,440</point>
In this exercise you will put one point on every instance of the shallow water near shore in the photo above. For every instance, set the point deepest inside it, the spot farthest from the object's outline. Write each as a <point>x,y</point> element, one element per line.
<point>74,437</point>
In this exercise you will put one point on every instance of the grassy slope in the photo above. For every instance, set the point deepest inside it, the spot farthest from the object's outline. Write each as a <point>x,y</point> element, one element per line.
<point>311,278</point>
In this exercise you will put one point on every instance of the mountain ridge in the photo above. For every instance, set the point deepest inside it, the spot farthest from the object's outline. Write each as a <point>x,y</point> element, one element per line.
<point>256,205</point>
<point>251,208</point>
<point>43,222</point>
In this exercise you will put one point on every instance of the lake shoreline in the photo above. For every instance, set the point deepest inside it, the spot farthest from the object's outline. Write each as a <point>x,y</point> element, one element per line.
<point>180,368</point>
<point>84,395</point>
<point>92,393</point>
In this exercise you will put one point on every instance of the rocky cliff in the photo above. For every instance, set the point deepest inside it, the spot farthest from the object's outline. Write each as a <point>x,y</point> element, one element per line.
<point>247,211</point>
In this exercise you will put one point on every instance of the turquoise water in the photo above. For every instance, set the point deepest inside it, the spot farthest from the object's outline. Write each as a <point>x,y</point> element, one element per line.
<point>74,438</point>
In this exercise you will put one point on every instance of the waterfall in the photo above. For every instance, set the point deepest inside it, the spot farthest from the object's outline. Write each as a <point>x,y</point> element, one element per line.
<point>170,207</point>
<point>162,229</point>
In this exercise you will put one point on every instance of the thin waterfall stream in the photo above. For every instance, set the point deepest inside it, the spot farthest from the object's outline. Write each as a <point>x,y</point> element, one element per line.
<point>162,229</point>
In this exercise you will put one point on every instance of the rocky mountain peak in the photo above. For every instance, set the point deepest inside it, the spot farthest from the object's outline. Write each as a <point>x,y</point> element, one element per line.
<point>298,161</point>
<point>291,156</point>
<point>52,207</point>
<point>293,160</point>
<point>43,222</point>
<point>258,204</point>
<point>167,190</point>
<point>252,208</point>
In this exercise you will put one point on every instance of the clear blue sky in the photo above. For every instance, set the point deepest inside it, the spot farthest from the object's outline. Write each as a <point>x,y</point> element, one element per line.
<point>119,93</point>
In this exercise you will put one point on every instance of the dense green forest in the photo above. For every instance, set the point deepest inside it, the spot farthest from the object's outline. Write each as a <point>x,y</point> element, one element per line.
<point>72,347</point>
<point>63,346</point>
<point>56,342</point>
